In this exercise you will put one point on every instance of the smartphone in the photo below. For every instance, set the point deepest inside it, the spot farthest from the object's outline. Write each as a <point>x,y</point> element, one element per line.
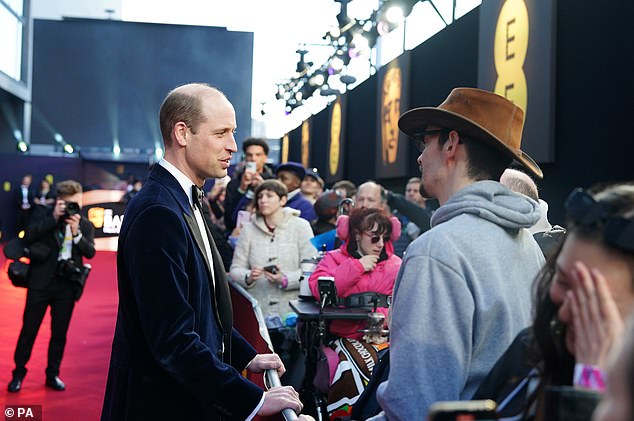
<point>250,166</point>
<point>463,410</point>
<point>243,216</point>
<point>271,269</point>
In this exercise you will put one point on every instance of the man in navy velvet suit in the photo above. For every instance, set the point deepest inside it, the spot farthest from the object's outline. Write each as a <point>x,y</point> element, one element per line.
<point>175,355</point>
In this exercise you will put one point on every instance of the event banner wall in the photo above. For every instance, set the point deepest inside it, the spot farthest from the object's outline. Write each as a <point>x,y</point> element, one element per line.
<point>393,155</point>
<point>306,130</point>
<point>517,61</point>
<point>294,145</point>
<point>333,170</point>
<point>319,142</point>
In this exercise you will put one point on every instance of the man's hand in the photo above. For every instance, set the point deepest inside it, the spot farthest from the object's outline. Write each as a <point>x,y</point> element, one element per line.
<point>73,222</point>
<point>245,181</point>
<point>263,362</point>
<point>277,399</point>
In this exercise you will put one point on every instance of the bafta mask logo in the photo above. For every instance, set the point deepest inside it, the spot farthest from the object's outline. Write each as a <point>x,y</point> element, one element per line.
<point>284,157</point>
<point>96,216</point>
<point>390,110</point>
<point>335,136</point>
<point>305,142</point>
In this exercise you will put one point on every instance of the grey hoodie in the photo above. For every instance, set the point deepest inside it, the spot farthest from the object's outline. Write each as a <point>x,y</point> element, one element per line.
<point>461,296</point>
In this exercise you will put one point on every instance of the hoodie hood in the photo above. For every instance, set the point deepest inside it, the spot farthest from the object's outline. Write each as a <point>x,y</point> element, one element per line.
<point>493,202</point>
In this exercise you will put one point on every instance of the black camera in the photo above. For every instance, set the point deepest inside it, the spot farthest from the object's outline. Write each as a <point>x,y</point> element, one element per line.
<point>72,208</point>
<point>68,269</point>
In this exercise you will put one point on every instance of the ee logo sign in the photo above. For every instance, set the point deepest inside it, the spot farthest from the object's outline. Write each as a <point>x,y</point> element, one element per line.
<point>511,45</point>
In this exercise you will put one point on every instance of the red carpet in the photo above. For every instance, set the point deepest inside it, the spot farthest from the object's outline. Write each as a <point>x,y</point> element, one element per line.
<point>85,365</point>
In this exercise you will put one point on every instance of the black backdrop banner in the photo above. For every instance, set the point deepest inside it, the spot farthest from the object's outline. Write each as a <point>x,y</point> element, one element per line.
<point>333,171</point>
<point>392,159</point>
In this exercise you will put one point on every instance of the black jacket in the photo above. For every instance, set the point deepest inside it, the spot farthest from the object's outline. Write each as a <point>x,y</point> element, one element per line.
<point>44,242</point>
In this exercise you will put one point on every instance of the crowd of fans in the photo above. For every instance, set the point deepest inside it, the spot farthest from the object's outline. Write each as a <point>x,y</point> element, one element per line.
<point>496,302</point>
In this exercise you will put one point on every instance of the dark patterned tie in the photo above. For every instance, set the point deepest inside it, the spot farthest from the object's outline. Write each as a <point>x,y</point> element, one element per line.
<point>197,197</point>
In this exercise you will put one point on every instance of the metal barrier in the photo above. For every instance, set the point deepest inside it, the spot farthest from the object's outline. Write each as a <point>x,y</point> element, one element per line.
<point>271,377</point>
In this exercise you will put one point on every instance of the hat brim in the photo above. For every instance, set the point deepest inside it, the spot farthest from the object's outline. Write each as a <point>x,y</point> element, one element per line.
<point>417,119</point>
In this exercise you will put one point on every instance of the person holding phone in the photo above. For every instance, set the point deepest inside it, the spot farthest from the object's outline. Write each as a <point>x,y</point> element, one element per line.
<point>270,248</point>
<point>247,176</point>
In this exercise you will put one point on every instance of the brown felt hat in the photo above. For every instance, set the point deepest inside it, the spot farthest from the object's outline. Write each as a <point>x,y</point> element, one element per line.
<point>479,115</point>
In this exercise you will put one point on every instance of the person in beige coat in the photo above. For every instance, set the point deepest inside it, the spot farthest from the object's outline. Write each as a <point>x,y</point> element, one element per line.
<point>269,250</point>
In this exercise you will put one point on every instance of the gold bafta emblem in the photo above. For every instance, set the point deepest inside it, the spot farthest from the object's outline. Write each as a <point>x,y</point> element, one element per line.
<point>284,157</point>
<point>95,215</point>
<point>335,134</point>
<point>390,112</point>
<point>305,142</point>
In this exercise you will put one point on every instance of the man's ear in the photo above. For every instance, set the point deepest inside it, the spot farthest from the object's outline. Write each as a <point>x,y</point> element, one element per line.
<point>180,133</point>
<point>283,200</point>
<point>452,142</point>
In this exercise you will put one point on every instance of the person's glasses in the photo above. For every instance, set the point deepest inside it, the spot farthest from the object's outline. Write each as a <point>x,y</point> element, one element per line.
<point>419,137</point>
<point>583,210</point>
<point>375,238</point>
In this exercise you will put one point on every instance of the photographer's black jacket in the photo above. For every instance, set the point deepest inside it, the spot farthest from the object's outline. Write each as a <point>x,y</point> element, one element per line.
<point>44,242</point>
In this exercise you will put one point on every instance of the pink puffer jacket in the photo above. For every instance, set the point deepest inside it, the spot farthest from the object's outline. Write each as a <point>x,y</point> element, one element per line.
<point>350,278</point>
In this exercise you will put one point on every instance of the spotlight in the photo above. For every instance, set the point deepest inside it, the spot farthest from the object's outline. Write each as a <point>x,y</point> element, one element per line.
<point>393,14</point>
<point>347,79</point>
<point>116,150</point>
<point>22,146</point>
<point>328,91</point>
<point>317,79</point>
<point>58,138</point>
<point>302,65</point>
<point>68,148</point>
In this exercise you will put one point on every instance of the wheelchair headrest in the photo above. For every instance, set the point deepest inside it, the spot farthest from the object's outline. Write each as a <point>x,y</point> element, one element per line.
<point>343,229</point>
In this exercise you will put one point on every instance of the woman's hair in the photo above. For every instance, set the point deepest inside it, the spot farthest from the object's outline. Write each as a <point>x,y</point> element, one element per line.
<point>548,350</point>
<point>272,185</point>
<point>364,219</point>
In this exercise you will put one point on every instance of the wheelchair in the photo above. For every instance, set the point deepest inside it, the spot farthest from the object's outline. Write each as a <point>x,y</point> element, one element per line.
<point>314,319</point>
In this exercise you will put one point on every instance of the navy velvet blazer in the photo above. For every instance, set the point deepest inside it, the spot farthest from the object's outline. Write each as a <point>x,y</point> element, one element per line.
<point>175,354</point>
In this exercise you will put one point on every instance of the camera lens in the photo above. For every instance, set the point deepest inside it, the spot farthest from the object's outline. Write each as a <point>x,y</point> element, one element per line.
<point>72,208</point>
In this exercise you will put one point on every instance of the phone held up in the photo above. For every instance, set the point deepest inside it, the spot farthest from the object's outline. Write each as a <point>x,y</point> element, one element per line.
<point>271,269</point>
<point>463,410</point>
<point>250,166</point>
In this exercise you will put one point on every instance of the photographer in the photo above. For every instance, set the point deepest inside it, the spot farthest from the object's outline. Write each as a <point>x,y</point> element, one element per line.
<point>58,238</point>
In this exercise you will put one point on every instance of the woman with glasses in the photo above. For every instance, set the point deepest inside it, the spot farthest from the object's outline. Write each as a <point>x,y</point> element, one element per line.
<point>364,263</point>
<point>556,369</point>
<point>364,269</point>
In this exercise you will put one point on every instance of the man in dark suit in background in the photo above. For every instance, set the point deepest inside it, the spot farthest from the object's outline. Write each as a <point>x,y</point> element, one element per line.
<point>58,239</point>
<point>23,197</point>
<point>175,354</point>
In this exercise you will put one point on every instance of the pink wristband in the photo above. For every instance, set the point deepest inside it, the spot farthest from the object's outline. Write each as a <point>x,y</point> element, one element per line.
<point>284,281</point>
<point>589,377</point>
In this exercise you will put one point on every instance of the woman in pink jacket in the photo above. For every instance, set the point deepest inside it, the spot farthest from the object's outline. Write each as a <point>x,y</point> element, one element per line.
<point>365,262</point>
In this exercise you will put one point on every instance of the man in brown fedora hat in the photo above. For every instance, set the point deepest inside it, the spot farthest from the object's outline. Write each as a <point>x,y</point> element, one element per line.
<point>463,291</point>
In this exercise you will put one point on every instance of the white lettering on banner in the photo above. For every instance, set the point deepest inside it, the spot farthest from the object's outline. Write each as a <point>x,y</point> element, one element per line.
<point>111,223</point>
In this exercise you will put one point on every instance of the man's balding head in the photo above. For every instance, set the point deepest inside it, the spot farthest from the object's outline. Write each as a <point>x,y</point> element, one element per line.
<point>520,182</point>
<point>184,103</point>
<point>370,195</point>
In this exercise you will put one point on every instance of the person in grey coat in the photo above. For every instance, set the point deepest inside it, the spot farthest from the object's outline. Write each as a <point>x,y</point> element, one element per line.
<point>464,289</point>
